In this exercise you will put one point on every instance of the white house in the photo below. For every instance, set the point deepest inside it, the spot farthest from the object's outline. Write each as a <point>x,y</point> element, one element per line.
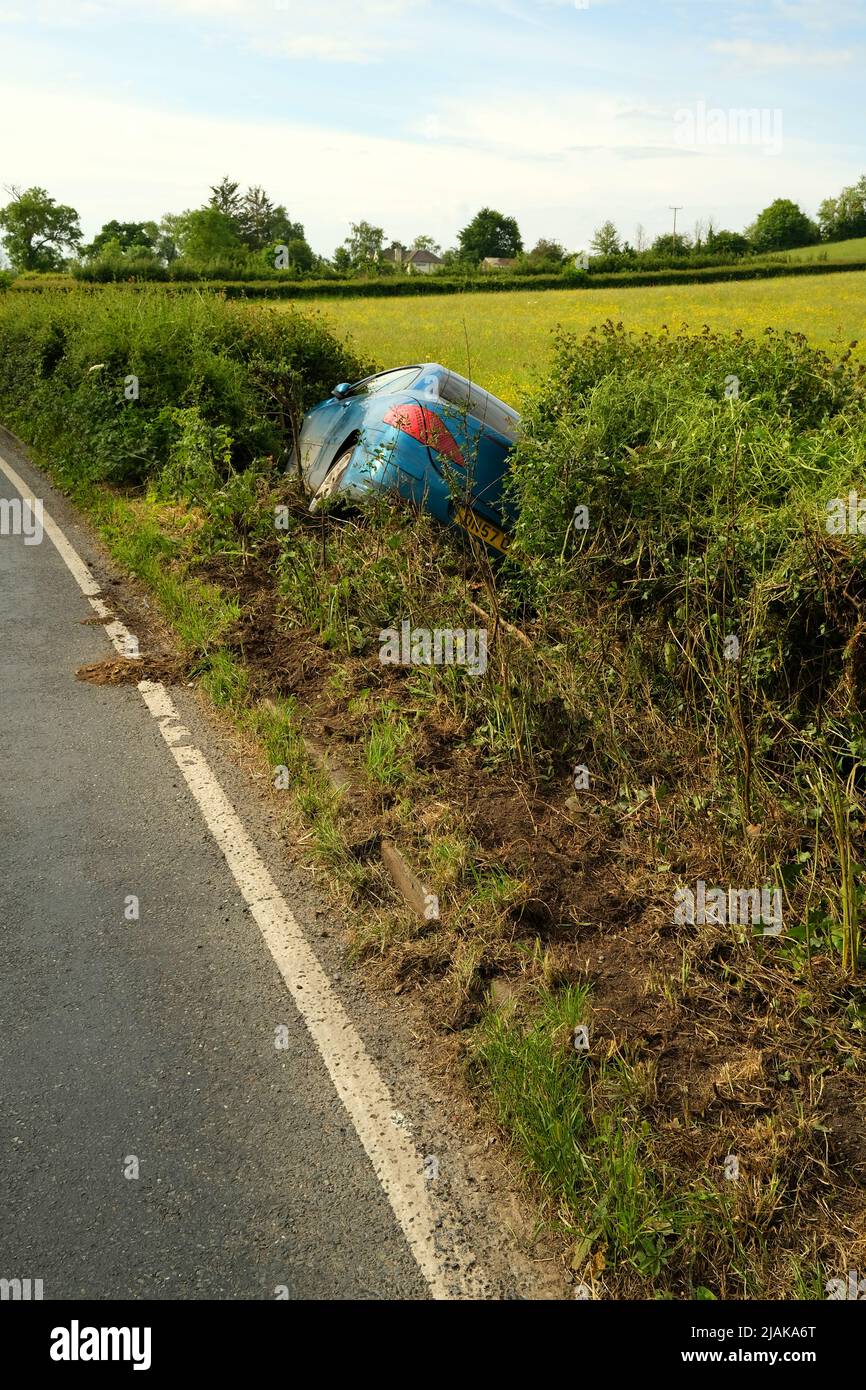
<point>421,261</point>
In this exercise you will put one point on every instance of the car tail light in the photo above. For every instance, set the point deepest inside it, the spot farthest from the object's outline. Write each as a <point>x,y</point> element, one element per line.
<point>427,427</point>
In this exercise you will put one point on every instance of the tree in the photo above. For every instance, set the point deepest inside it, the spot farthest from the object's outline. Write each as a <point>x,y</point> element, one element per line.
<point>261,223</point>
<point>605,240</point>
<point>490,233</point>
<point>547,257</point>
<point>126,235</point>
<point>782,226</point>
<point>301,256</point>
<point>283,228</point>
<point>547,250</point>
<point>426,243</point>
<point>38,229</point>
<point>670,245</point>
<point>364,243</point>
<point>170,234</point>
<point>844,216</point>
<point>640,238</point>
<point>206,234</point>
<point>225,197</point>
<point>256,218</point>
<point>727,243</point>
<point>258,222</point>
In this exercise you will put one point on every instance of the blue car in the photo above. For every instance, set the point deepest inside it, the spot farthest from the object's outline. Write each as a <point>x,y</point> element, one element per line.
<point>432,436</point>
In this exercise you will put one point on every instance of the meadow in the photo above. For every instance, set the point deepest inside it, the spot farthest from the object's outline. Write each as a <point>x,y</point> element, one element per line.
<point>506,340</point>
<point>853,249</point>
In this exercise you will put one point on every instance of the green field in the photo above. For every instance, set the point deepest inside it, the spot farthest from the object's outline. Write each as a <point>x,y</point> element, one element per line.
<point>852,250</point>
<point>504,339</point>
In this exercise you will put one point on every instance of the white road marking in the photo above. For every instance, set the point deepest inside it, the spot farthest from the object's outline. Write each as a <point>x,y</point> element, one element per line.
<point>356,1079</point>
<point>70,557</point>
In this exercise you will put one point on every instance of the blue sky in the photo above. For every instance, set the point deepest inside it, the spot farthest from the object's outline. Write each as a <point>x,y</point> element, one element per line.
<point>414,114</point>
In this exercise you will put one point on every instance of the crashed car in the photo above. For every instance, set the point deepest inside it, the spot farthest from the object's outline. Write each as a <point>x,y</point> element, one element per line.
<point>423,431</point>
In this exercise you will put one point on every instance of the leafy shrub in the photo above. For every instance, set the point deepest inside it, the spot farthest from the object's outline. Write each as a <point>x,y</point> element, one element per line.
<point>200,454</point>
<point>108,381</point>
<point>705,464</point>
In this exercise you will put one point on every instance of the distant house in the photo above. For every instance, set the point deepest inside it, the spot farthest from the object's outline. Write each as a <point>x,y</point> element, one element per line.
<point>498,262</point>
<point>395,253</point>
<point>422,262</point>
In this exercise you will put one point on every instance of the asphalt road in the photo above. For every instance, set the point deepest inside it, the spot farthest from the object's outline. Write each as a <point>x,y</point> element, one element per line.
<point>150,1039</point>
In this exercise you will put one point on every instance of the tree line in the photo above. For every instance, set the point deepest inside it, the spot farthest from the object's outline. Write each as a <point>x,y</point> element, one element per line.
<point>782,226</point>
<point>245,232</point>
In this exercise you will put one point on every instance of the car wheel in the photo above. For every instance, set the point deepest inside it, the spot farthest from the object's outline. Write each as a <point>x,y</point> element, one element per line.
<point>333,479</point>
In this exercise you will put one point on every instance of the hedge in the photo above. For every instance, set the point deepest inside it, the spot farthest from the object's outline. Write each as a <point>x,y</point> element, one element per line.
<point>439,284</point>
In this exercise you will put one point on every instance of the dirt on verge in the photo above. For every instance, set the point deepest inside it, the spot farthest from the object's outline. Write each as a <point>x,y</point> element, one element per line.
<point>123,670</point>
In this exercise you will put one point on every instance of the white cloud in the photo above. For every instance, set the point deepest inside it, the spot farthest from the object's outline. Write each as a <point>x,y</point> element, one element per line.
<point>115,159</point>
<point>547,126</point>
<point>761,56</point>
<point>332,31</point>
<point>324,47</point>
<point>820,14</point>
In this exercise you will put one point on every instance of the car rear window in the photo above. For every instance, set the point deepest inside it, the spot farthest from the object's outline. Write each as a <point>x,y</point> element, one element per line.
<point>480,404</point>
<point>398,380</point>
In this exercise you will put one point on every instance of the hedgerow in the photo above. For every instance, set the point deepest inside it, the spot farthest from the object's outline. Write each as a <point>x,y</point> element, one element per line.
<point>281,287</point>
<point>106,382</point>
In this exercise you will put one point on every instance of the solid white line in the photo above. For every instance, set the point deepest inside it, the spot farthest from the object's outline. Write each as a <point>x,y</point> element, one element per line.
<point>355,1077</point>
<point>70,557</point>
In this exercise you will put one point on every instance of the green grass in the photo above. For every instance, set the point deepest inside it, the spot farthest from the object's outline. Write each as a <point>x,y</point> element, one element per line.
<point>505,340</point>
<point>386,752</point>
<point>852,250</point>
<point>200,614</point>
<point>574,1120</point>
<point>276,723</point>
<point>225,680</point>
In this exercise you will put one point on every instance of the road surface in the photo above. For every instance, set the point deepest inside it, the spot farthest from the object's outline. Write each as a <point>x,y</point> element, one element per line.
<point>155,1141</point>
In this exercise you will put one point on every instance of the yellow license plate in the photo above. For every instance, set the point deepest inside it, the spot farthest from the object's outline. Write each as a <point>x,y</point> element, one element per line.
<point>485,530</point>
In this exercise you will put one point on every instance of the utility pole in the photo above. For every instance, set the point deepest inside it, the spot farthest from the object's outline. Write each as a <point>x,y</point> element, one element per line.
<point>675,211</point>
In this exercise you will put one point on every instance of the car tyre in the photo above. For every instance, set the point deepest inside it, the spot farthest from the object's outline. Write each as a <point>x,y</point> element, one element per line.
<point>332,480</point>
